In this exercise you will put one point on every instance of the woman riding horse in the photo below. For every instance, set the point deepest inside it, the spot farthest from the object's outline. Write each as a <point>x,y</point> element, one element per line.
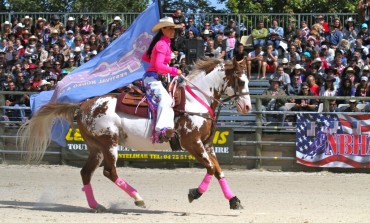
<point>158,56</point>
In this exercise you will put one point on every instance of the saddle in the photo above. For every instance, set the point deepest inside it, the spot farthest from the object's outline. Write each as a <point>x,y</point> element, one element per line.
<point>133,101</point>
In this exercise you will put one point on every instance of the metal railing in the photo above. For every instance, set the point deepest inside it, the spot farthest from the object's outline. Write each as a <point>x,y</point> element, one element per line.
<point>258,128</point>
<point>246,22</point>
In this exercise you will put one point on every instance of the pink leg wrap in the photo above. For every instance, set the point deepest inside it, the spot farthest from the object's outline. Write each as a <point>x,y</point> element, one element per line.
<point>205,183</point>
<point>90,196</point>
<point>226,189</point>
<point>126,187</point>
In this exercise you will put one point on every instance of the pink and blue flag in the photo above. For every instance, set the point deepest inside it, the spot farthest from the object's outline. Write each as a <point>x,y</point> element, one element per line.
<point>116,66</point>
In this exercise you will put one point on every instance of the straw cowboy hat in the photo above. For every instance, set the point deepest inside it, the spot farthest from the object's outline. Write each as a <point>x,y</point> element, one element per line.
<point>164,22</point>
<point>32,37</point>
<point>40,19</point>
<point>27,17</point>
<point>4,24</point>
<point>44,82</point>
<point>71,18</point>
<point>117,18</point>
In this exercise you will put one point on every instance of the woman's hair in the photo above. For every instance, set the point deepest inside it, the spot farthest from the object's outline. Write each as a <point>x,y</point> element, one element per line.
<point>155,39</point>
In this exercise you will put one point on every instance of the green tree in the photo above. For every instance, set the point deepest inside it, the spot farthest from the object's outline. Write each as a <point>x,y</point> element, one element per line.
<point>78,5</point>
<point>290,6</point>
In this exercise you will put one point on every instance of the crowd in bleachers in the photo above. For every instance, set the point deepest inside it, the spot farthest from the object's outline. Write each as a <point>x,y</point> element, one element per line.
<point>330,59</point>
<point>35,53</point>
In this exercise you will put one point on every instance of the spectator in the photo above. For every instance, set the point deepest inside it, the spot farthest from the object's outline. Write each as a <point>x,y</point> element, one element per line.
<point>6,28</point>
<point>363,11</point>
<point>328,89</point>
<point>290,33</point>
<point>362,89</point>
<point>184,67</point>
<point>305,60</point>
<point>216,26</point>
<point>295,86</point>
<point>85,53</point>
<point>365,71</point>
<point>178,17</point>
<point>210,49</point>
<point>70,24</point>
<point>15,101</point>
<point>364,34</point>
<point>305,104</point>
<point>327,54</point>
<point>299,71</point>
<point>240,55</point>
<point>282,77</point>
<point>347,88</point>
<point>85,27</point>
<point>352,106</point>
<point>220,46</point>
<point>191,27</point>
<point>71,65</point>
<point>334,36</point>
<point>231,26</point>
<point>314,88</point>
<point>292,56</point>
<point>271,59</point>
<point>305,29</point>
<point>259,34</point>
<point>99,26</point>
<point>230,45</point>
<point>256,58</point>
<point>333,106</point>
<point>115,27</point>
<point>273,104</point>
<point>55,23</point>
<point>350,31</point>
<point>275,33</point>
<point>320,20</point>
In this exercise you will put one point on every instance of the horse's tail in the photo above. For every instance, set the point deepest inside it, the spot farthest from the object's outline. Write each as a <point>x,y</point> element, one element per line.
<point>35,135</point>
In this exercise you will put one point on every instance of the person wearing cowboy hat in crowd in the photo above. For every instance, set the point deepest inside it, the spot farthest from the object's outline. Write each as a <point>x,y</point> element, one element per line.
<point>99,27</point>
<point>352,68</point>
<point>70,24</point>
<point>273,104</point>
<point>352,106</point>
<point>158,56</point>
<point>299,71</point>
<point>114,26</point>
<point>6,28</point>
<point>328,89</point>
<point>321,21</point>
<point>40,27</point>
<point>295,86</point>
<point>85,27</point>
<point>30,50</point>
<point>350,31</point>
<point>27,22</point>
<point>18,30</point>
<point>365,71</point>
<point>55,23</point>
<point>362,88</point>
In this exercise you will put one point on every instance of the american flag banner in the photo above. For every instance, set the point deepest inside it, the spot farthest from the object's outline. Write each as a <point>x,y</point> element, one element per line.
<point>333,140</point>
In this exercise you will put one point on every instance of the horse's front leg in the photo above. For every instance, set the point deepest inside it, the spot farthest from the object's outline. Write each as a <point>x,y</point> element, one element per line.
<point>208,158</point>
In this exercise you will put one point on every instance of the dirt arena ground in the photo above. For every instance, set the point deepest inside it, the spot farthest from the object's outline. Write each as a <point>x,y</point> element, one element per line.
<point>53,194</point>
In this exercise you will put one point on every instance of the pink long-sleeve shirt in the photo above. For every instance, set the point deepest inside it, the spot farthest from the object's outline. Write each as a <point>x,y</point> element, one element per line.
<point>161,56</point>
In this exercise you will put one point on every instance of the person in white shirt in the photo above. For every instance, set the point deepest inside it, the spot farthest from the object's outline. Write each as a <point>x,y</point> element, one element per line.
<point>257,58</point>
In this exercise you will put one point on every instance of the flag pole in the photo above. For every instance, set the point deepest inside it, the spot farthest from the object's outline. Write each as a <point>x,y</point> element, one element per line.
<point>160,8</point>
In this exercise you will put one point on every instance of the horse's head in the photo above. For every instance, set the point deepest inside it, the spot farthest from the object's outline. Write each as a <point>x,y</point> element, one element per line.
<point>236,86</point>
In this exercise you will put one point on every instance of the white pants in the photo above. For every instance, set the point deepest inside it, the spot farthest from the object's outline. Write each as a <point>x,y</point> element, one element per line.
<point>162,100</point>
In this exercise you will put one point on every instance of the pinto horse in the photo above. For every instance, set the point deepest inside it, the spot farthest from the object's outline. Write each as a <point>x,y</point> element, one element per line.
<point>103,129</point>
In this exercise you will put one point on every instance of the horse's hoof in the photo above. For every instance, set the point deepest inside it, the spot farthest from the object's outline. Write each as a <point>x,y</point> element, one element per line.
<point>235,203</point>
<point>194,194</point>
<point>100,209</point>
<point>140,204</point>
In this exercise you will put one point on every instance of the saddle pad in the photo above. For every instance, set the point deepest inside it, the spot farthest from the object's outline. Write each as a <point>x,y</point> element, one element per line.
<point>135,110</point>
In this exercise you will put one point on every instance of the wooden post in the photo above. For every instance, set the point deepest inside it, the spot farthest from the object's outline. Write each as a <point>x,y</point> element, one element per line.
<point>258,133</point>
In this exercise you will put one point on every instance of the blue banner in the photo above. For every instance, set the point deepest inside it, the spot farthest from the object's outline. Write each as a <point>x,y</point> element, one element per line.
<point>116,66</point>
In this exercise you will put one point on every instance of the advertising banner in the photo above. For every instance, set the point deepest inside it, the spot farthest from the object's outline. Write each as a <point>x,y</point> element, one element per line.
<point>333,140</point>
<point>223,138</point>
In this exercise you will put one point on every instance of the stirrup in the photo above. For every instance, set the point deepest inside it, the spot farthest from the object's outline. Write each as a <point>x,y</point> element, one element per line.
<point>166,134</point>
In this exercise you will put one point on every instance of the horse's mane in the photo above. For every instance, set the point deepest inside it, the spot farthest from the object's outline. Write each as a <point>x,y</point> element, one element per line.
<point>207,65</point>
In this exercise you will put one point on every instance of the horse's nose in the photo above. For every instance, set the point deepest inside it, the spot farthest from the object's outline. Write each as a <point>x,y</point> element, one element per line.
<point>243,106</point>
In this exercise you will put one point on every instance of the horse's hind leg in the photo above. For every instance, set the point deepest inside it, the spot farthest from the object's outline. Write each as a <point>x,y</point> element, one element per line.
<point>110,171</point>
<point>94,160</point>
